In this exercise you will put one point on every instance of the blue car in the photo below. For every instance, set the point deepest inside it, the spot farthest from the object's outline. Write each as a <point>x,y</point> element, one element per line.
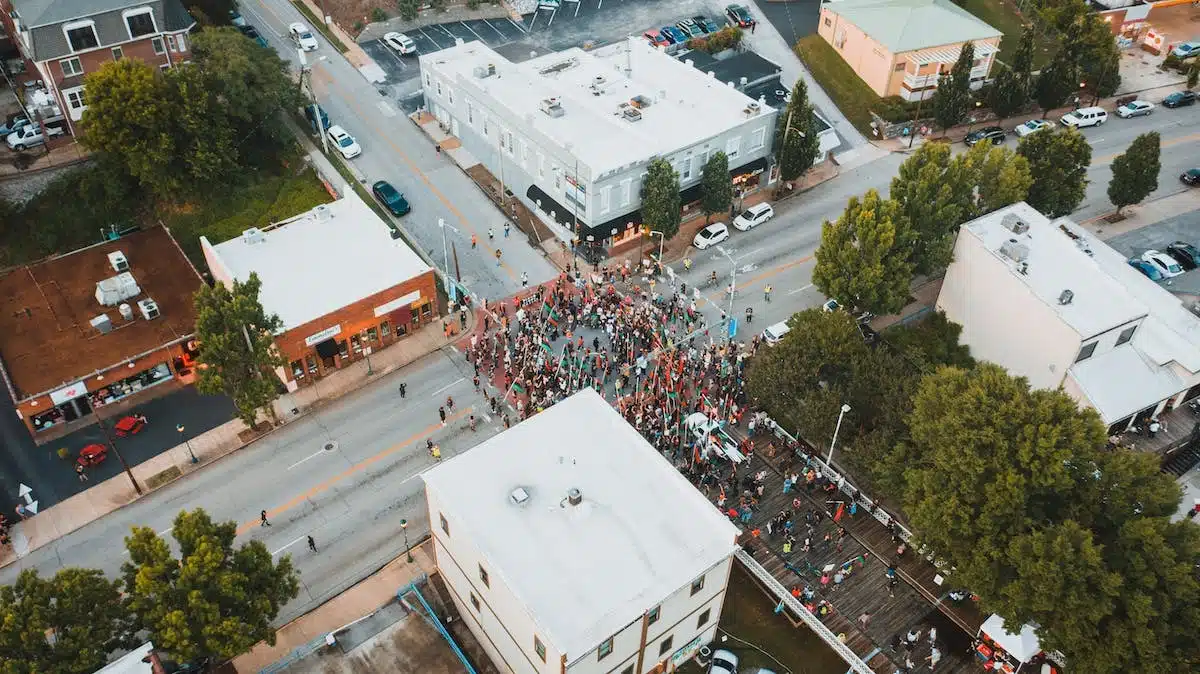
<point>1148,269</point>
<point>673,34</point>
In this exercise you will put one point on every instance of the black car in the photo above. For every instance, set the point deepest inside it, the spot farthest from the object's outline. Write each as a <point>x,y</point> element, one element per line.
<point>1179,99</point>
<point>992,133</point>
<point>1190,177</point>
<point>1187,255</point>
<point>391,198</point>
<point>312,112</point>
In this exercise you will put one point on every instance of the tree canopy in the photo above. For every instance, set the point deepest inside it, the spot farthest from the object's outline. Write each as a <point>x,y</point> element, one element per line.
<point>797,146</point>
<point>717,185</point>
<point>661,207</point>
<point>1058,161</point>
<point>863,260</point>
<point>237,350</point>
<point>1135,172</point>
<point>214,599</point>
<point>1013,85</point>
<point>953,94</point>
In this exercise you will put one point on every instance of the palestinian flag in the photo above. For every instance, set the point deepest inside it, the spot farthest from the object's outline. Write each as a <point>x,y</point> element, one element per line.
<point>518,388</point>
<point>551,315</point>
<point>841,510</point>
<point>547,348</point>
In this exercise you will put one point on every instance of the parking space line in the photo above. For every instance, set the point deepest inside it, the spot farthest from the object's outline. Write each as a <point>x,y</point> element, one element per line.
<point>430,38</point>
<point>553,13</point>
<point>447,32</point>
<point>464,25</point>
<point>502,35</point>
<point>520,27</point>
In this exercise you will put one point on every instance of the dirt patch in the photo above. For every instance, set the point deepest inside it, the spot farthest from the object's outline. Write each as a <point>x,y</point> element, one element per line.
<point>1114,217</point>
<point>354,15</point>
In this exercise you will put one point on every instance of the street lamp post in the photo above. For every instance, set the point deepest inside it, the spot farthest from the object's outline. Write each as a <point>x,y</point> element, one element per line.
<point>187,441</point>
<point>732,283</point>
<point>446,258</point>
<point>404,530</point>
<point>661,240</point>
<point>845,408</point>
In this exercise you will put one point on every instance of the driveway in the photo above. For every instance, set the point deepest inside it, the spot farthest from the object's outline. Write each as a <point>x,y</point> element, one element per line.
<point>793,19</point>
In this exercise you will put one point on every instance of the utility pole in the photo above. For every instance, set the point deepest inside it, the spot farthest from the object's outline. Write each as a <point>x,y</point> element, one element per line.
<point>100,422</point>
<point>920,100</point>
<point>306,75</point>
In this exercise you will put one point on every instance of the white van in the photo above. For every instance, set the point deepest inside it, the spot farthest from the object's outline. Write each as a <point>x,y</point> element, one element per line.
<point>1084,117</point>
<point>774,333</point>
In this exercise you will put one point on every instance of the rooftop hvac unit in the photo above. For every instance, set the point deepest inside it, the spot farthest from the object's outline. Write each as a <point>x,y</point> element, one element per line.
<point>552,107</point>
<point>126,311</point>
<point>118,261</point>
<point>102,324</point>
<point>112,291</point>
<point>1015,251</point>
<point>1014,224</point>
<point>631,114</point>
<point>149,309</point>
<point>641,101</point>
<point>128,286</point>
<point>322,213</point>
<point>752,108</point>
<point>253,235</point>
<point>1065,297</point>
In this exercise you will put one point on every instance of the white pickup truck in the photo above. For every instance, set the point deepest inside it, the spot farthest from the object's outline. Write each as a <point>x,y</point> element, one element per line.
<point>30,135</point>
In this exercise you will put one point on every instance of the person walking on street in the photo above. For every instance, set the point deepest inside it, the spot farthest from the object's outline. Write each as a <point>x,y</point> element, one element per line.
<point>403,389</point>
<point>436,453</point>
<point>524,279</point>
<point>450,403</point>
<point>864,619</point>
<point>491,234</point>
<point>263,516</point>
<point>749,314</point>
<point>312,545</point>
<point>767,294</point>
<point>506,228</point>
<point>442,414</point>
<point>79,471</point>
<point>23,512</point>
<point>497,257</point>
<point>474,240</point>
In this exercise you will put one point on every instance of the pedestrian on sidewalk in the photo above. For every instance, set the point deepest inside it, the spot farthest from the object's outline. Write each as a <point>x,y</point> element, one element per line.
<point>22,511</point>
<point>312,545</point>
<point>79,471</point>
<point>436,453</point>
<point>442,414</point>
<point>403,389</point>
<point>506,228</point>
<point>450,403</point>
<point>264,522</point>
<point>476,382</point>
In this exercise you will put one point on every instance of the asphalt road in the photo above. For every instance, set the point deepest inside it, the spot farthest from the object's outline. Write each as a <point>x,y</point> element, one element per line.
<point>350,499</point>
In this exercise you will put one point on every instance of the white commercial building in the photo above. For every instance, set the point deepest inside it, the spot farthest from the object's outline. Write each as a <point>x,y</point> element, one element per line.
<point>570,544</point>
<point>571,133</point>
<point>1049,301</point>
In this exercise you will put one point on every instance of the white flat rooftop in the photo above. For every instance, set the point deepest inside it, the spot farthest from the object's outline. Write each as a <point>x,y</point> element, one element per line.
<point>686,106</point>
<point>583,571</point>
<point>1058,260</point>
<point>1123,381</point>
<point>322,260</point>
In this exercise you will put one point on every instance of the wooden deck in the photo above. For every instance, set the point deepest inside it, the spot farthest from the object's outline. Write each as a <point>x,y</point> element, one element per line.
<point>868,547</point>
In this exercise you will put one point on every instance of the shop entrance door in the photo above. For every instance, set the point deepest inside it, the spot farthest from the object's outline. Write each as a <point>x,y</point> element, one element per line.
<point>77,408</point>
<point>326,350</point>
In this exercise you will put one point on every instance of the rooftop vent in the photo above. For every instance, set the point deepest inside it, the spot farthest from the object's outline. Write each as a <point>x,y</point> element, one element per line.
<point>149,309</point>
<point>1014,250</point>
<point>112,291</point>
<point>752,109</point>
<point>485,71</point>
<point>518,496</point>
<point>559,67</point>
<point>1065,297</point>
<point>574,496</point>
<point>118,261</point>
<point>253,235</point>
<point>1082,245</point>
<point>322,213</point>
<point>102,324</point>
<point>126,311</point>
<point>631,114</point>
<point>1014,224</point>
<point>552,107</point>
<point>1023,268</point>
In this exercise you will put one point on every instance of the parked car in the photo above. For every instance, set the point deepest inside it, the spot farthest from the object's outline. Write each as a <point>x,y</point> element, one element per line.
<point>252,33</point>
<point>1146,268</point>
<point>344,142</point>
<point>723,662</point>
<point>753,217</point>
<point>675,35</point>
<point>1187,255</point>
<point>1186,50</point>
<point>1190,177</point>
<point>739,15</point>
<point>1179,99</point>
<point>656,38</point>
<point>1166,265</point>
<point>549,4</point>
<point>311,115</point>
<point>14,123</point>
<point>391,198</point>
<point>1032,125</point>
<point>689,28</point>
<point>1084,117</point>
<point>774,333</point>
<point>711,235</point>
<point>236,19</point>
<point>303,37</point>
<point>1135,109</point>
<point>706,24</point>
<point>25,137</point>
<point>400,43</point>
<point>993,133</point>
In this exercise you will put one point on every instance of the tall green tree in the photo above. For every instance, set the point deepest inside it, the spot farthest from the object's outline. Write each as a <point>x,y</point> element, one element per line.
<point>252,84</point>
<point>863,260</point>
<point>1135,172</point>
<point>661,207</point>
<point>1014,85</point>
<point>1002,177</point>
<point>1058,161</point>
<point>64,624</point>
<point>1056,82</point>
<point>214,599</point>
<point>796,142</point>
<point>717,185</point>
<point>237,350</point>
<point>952,97</point>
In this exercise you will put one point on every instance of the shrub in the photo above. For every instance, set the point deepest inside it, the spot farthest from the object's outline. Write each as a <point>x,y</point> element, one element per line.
<point>378,14</point>
<point>896,109</point>
<point>473,4</point>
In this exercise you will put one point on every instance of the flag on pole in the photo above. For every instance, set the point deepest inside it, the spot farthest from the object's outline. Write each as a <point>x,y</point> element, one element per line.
<point>841,509</point>
<point>518,388</point>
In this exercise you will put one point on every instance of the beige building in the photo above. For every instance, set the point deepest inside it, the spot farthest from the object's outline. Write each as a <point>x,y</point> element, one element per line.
<point>898,47</point>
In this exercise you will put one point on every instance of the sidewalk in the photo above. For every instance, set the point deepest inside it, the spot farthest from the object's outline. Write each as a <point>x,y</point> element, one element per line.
<point>361,600</point>
<point>1140,215</point>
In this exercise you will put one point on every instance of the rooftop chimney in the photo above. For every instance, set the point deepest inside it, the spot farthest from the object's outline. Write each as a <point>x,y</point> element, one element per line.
<point>574,496</point>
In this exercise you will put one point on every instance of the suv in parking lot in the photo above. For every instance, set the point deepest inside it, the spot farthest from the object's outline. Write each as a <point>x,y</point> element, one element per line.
<point>739,15</point>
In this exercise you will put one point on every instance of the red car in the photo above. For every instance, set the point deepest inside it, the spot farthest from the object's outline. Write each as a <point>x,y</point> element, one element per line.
<point>656,38</point>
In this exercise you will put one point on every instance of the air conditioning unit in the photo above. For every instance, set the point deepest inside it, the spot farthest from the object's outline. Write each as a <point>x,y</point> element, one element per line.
<point>1014,224</point>
<point>116,289</point>
<point>102,324</point>
<point>631,114</point>
<point>126,311</point>
<point>118,261</point>
<point>253,235</point>
<point>149,309</point>
<point>552,107</point>
<point>1014,250</point>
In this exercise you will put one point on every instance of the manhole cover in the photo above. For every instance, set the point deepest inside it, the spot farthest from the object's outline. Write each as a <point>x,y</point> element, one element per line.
<point>330,446</point>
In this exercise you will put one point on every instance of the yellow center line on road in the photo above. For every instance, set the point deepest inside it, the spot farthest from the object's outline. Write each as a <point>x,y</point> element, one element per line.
<point>1107,159</point>
<point>352,470</point>
<point>717,299</point>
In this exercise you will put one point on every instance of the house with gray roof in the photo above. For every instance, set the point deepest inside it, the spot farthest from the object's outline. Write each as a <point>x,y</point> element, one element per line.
<point>63,40</point>
<point>898,47</point>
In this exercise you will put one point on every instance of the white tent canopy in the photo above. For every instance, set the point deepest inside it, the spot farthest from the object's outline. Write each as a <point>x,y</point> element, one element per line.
<point>1023,646</point>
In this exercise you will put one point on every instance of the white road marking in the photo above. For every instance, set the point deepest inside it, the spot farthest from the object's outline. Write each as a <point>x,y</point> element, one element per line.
<point>427,37</point>
<point>487,418</point>
<point>314,454</point>
<point>553,13</point>
<point>454,349</point>
<point>474,33</point>
<point>387,110</point>
<point>753,252</point>
<point>800,290</point>
<point>577,6</point>
<point>502,35</point>
<point>519,26</point>
<point>290,544</point>
<point>448,385</point>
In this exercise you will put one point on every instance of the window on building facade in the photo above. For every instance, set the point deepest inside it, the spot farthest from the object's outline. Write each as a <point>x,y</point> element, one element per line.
<point>732,146</point>
<point>758,139</point>
<point>71,67</point>
<point>297,370</point>
<point>685,168</point>
<point>697,585</point>
<point>157,43</point>
<point>703,619</point>
<point>486,127</point>
<point>439,88</point>
<point>355,343</point>
<point>606,199</point>
<point>444,523</point>
<point>311,362</point>
<point>385,329</point>
<point>343,349</point>
<point>666,645</point>
<point>475,602</point>
<point>839,39</point>
<point>626,191</point>
<point>118,53</point>
<point>652,616</point>
<point>182,42</point>
<point>372,334</point>
<point>140,22</point>
<point>1126,335</point>
<point>450,95</point>
<point>541,165</point>
<point>899,67</point>
<point>75,99</point>
<point>483,576</point>
<point>171,44</point>
<point>508,138</point>
<point>605,649</point>
<point>828,21</point>
<point>470,114</point>
<point>627,670</point>
<point>1086,352</point>
<point>427,81</point>
<point>539,648</point>
<point>81,36</point>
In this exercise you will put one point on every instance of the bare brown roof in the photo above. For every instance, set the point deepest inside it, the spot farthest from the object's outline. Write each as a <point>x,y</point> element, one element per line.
<point>46,338</point>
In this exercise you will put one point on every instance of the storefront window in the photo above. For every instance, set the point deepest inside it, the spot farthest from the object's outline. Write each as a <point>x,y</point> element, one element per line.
<point>297,370</point>
<point>384,329</point>
<point>130,385</point>
<point>355,344</point>
<point>342,350</point>
<point>401,330</point>
<point>416,315</point>
<point>372,335</point>
<point>312,364</point>
<point>427,310</point>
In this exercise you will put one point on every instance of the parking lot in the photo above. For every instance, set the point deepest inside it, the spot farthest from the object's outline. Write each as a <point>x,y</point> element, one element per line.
<point>494,32</point>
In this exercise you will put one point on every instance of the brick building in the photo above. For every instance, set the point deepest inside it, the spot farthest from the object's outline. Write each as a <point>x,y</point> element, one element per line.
<point>338,279</point>
<point>64,40</point>
<point>111,322</point>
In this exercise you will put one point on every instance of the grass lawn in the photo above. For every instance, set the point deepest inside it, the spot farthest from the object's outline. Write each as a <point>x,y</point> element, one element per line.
<point>258,202</point>
<point>1002,15</point>
<point>851,95</point>
<point>749,616</point>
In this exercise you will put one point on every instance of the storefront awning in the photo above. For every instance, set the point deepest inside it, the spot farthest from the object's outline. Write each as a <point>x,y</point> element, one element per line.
<point>327,348</point>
